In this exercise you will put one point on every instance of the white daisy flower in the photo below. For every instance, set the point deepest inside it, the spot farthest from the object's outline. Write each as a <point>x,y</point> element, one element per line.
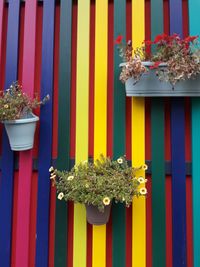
<point>60,196</point>
<point>106,201</point>
<point>144,167</point>
<point>141,180</point>
<point>143,191</point>
<point>69,178</point>
<point>52,176</point>
<point>51,169</point>
<point>120,160</point>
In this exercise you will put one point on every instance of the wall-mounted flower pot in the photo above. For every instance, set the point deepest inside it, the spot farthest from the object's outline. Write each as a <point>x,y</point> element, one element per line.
<point>21,132</point>
<point>96,217</point>
<point>150,86</point>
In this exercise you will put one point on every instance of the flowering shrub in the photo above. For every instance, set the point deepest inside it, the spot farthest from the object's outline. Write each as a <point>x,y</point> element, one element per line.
<point>181,56</point>
<point>14,104</point>
<point>99,183</point>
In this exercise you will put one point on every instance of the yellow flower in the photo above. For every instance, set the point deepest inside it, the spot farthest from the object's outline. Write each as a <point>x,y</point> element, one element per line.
<point>60,196</point>
<point>51,169</point>
<point>71,177</point>
<point>141,180</point>
<point>6,106</point>
<point>123,199</point>
<point>144,167</point>
<point>106,201</point>
<point>120,160</point>
<point>87,185</point>
<point>143,191</point>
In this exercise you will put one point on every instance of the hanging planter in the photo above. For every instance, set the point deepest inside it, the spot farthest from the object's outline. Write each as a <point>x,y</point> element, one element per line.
<point>96,217</point>
<point>16,114</point>
<point>21,132</point>
<point>172,69</point>
<point>150,86</point>
<point>98,184</point>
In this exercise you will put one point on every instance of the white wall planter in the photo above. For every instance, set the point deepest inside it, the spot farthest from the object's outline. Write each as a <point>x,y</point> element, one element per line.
<point>21,132</point>
<point>150,86</point>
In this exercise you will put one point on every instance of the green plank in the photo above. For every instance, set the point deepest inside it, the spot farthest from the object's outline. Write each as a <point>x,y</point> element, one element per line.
<point>158,159</point>
<point>63,126</point>
<point>194,20</point>
<point>119,138</point>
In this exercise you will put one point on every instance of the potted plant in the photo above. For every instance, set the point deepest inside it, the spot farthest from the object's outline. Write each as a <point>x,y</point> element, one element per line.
<point>16,114</point>
<point>166,66</point>
<point>98,184</point>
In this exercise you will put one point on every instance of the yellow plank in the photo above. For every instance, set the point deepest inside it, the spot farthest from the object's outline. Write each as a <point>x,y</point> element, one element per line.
<point>138,149</point>
<point>100,116</point>
<point>82,91</point>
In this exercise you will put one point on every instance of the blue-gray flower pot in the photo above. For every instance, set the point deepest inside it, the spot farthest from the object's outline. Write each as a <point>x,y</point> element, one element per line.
<point>96,217</point>
<point>21,132</point>
<point>150,86</point>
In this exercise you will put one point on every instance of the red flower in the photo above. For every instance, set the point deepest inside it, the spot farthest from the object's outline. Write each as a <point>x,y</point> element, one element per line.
<point>148,42</point>
<point>160,37</point>
<point>190,39</point>
<point>119,39</point>
<point>155,65</point>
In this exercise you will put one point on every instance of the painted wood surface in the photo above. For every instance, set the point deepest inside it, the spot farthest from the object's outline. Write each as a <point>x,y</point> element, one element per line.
<point>70,54</point>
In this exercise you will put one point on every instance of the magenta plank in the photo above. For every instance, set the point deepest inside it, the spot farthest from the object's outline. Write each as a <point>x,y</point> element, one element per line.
<point>25,158</point>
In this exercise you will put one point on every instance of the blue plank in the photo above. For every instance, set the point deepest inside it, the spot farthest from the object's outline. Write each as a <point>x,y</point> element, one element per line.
<point>6,187</point>
<point>178,157</point>
<point>45,145</point>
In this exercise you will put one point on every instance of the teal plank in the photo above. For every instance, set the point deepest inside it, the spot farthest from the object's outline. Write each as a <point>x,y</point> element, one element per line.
<point>63,126</point>
<point>194,20</point>
<point>119,137</point>
<point>158,160</point>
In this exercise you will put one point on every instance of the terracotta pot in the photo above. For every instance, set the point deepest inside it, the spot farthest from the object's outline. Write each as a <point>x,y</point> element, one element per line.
<point>96,217</point>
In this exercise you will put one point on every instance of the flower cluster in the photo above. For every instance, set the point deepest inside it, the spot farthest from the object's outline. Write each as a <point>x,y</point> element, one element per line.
<point>181,56</point>
<point>100,182</point>
<point>15,104</point>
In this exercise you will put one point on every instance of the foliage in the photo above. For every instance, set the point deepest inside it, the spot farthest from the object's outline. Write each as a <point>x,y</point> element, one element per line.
<point>182,58</point>
<point>100,182</point>
<point>15,104</point>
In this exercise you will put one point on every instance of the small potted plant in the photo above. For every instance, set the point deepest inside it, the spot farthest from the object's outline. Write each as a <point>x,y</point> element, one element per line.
<point>16,114</point>
<point>98,184</point>
<point>166,66</point>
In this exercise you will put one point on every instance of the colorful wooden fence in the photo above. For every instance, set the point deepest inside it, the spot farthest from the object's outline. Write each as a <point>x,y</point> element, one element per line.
<point>66,49</point>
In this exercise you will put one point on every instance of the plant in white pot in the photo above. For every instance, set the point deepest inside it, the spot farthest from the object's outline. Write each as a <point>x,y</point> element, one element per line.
<point>98,184</point>
<point>16,114</point>
<point>166,66</point>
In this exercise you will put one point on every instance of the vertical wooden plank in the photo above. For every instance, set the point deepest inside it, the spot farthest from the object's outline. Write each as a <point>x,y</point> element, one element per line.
<point>100,115</point>
<point>25,158</point>
<point>194,30</point>
<point>138,143</point>
<point>52,209</point>
<point>45,145</point>
<point>158,156</point>
<point>178,157</point>
<point>82,107</point>
<point>194,7</point>
<point>63,125</point>
<point>119,134</point>
<point>6,188</point>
